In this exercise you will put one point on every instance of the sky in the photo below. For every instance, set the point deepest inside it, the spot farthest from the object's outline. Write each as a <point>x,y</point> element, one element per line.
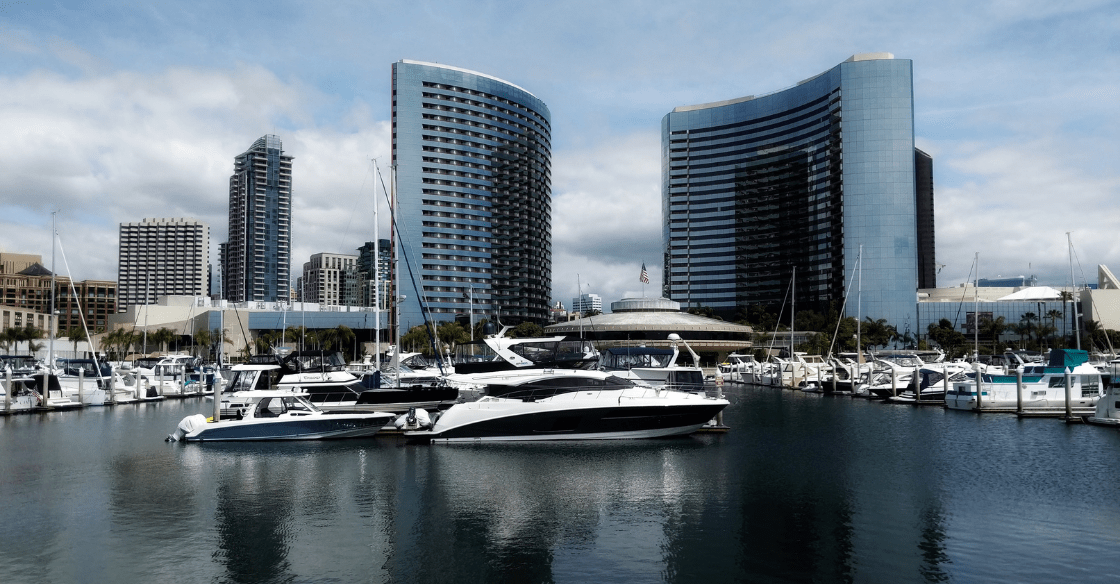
<point>121,111</point>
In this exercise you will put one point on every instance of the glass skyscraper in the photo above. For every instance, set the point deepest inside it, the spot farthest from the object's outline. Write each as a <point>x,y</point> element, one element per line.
<point>257,258</point>
<point>756,188</point>
<point>474,194</point>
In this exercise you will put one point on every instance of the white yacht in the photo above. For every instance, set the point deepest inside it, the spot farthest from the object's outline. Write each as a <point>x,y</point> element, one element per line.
<point>1044,387</point>
<point>256,409</point>
<point>569,404</point>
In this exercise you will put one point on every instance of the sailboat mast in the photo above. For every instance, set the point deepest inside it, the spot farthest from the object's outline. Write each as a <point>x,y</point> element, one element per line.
<point>395,237</point>
<point>976,312</point>
<point>792,308</point>
<point>147,292</point>
<point>1073,292</point>
<point>859,306</point>
<point>52,320</point>
<point>376,271</point>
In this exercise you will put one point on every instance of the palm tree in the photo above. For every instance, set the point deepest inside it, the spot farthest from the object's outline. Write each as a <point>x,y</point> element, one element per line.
<point>75,334</point>
<point>203,339</point>
<point>345,337</point>
<point>162,337</point>
<point>993,328</point>
<point>1029,317</point>
<point>1054,315</point>
<point>6,339</point>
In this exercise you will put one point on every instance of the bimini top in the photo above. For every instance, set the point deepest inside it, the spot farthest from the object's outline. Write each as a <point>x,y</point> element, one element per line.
<point>1068,358</point>
<point>461,70</point>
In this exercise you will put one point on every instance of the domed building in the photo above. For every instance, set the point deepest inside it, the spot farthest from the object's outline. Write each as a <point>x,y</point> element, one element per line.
<point>649,322</point>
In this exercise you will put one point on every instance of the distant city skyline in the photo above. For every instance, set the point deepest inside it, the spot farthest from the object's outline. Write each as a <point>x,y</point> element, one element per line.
<point>115,113</point>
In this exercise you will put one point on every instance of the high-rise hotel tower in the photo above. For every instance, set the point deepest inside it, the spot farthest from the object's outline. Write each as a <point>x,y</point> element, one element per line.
<point>757,188</point>
<point>160,257</point>
<point>256,261</point>
<point>473,171</point>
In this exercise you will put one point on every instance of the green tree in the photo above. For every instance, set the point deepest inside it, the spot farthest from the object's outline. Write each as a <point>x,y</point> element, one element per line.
<point>526,330</point>
<point>1027,320</point>
<point>202,341</point>
<point>162,337</point>
<point>947,337</point>
<point>992,328</point>
<point>877,333</point>
<point>75,334</point>
<point>451,334</point>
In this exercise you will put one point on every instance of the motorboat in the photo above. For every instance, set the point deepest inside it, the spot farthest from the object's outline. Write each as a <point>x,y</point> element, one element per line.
<point>569,404</point>
<point>1043,386</point>
<point>22,395</point>
<point>655,366</point>
<point>501,353</point>
<point>739,368</point>
<point>255,408</point>
<point>1107,410</point>
<point>330,387</point>
<point>51,396</point>
<point>931,384</point>
<point>274,414</point>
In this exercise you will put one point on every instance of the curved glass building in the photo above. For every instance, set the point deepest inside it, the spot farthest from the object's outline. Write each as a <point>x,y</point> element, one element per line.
<point>473,157</point>
<point>757,188</point>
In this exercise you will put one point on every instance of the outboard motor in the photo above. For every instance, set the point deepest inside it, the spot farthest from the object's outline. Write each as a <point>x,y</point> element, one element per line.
<point>415,419</point>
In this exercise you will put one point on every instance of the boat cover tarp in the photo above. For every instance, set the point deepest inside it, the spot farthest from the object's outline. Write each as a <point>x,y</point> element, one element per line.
<point>1068,358</point>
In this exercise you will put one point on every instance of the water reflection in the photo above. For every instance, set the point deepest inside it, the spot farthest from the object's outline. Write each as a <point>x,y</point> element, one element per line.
<point>803,488</point>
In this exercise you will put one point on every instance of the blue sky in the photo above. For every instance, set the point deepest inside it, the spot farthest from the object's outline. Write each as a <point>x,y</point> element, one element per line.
<point>120,111</point>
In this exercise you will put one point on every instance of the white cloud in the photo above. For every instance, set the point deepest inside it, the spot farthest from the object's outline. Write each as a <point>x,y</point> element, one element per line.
<point>606,217</point>
<point>103,150</point>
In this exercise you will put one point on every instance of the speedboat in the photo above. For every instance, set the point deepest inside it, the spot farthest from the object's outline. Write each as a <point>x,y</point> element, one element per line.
<point>1043,386</point>
<point>257,409</point>
<point>569,404</point>
<point>276,415</point>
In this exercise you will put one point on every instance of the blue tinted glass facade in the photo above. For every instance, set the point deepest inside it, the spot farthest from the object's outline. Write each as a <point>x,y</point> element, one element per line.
<point>753,188</point>
<point>474,190</point>
<point>257,258</point>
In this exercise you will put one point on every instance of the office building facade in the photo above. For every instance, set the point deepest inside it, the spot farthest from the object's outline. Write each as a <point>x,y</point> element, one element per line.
<point>474,202</point>
<point>587,302</point>
<point>256,261</point>
<point>87,303</point>
<point>330,279</point>
<point>758,189</point>
<point>374,263</point>
<point>160,257</point>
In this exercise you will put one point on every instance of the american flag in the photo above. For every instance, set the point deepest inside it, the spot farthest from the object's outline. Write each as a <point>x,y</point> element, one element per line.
<point>644,278</point>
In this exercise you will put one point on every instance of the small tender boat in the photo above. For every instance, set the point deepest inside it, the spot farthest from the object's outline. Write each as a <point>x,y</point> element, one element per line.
<point>547,404</point>
<point>276,415</point>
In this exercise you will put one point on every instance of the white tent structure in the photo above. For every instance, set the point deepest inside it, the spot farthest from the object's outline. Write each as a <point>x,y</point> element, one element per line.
<point>1034,294</point>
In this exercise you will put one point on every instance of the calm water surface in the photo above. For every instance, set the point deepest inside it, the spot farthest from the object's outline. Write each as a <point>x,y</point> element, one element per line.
<point>804,488</point>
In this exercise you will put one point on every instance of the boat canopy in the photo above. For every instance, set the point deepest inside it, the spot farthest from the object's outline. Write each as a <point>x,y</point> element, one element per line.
<point>1068,358</point>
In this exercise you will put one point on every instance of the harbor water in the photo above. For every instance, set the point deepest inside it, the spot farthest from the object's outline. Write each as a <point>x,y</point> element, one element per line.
<point>804,488</point>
